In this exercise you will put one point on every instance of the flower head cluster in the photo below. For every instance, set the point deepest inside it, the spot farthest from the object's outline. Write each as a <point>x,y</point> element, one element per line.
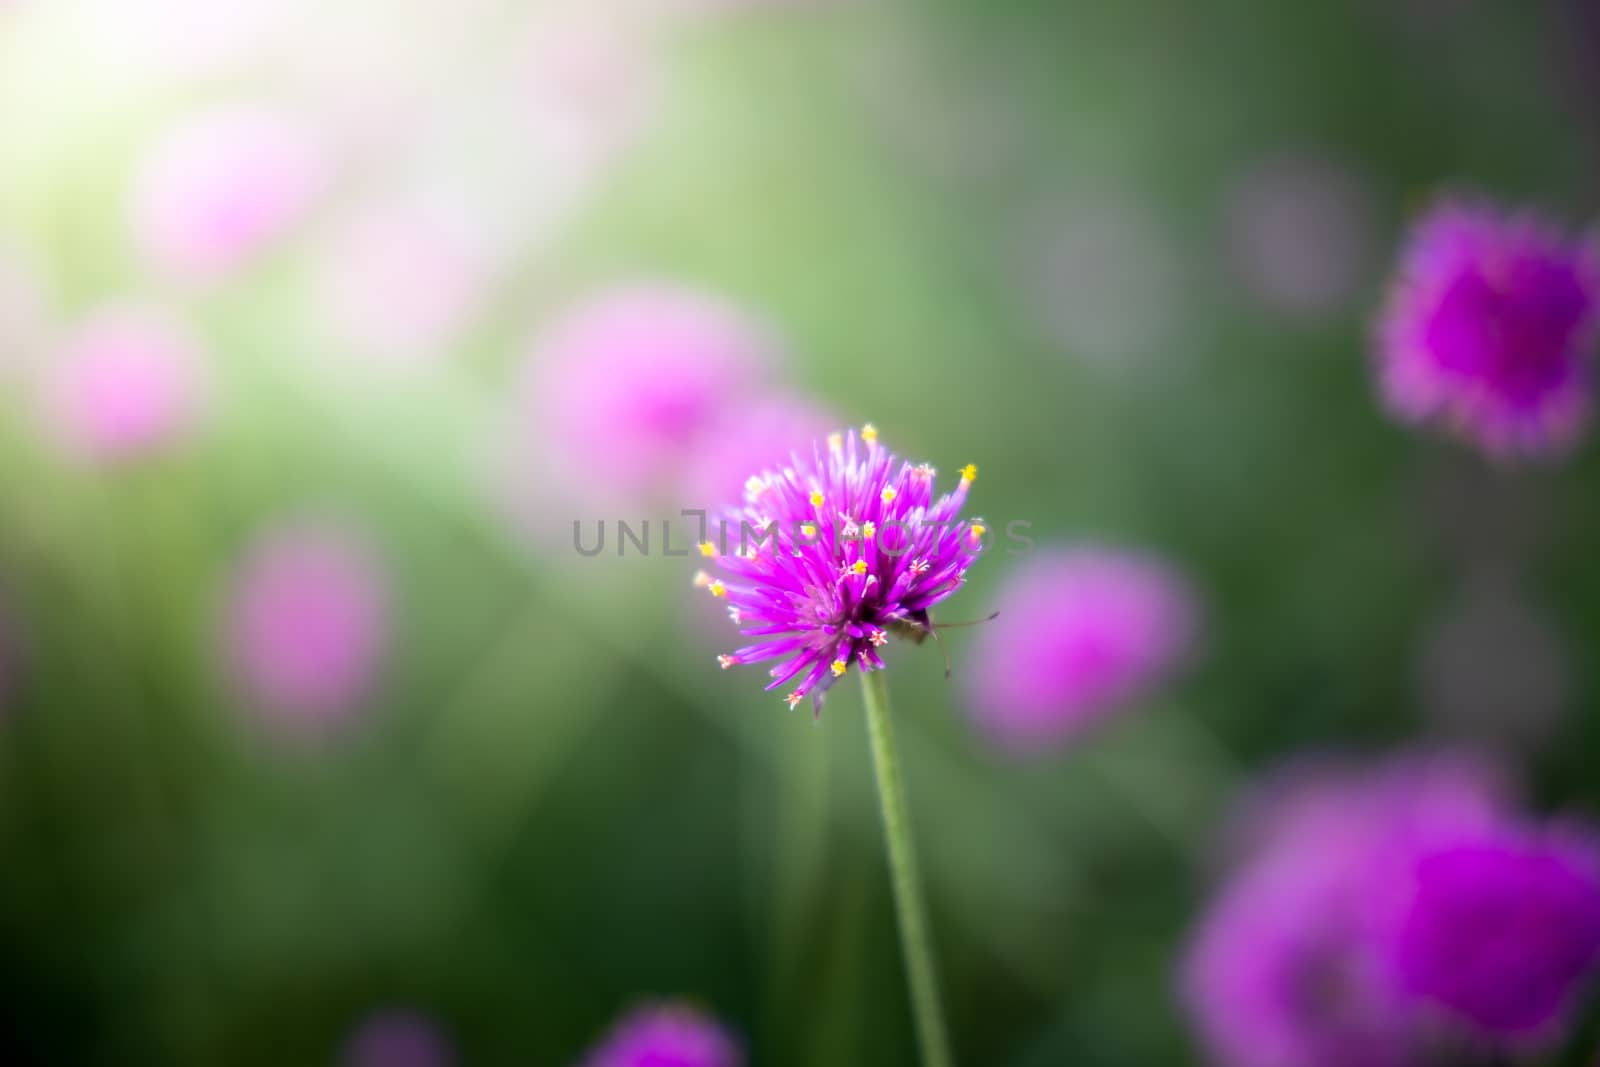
<point>833,552</point>
<point>308,625</point>
<point>1501,928</point>
<point>1082,633</point>
<point>666,1035</point>
<point>127,384</point>
<point>217,191</point>
<point>398,1038</point>
<point>625,390</point>
<point>1490,329</point>
<point>1374,912</point>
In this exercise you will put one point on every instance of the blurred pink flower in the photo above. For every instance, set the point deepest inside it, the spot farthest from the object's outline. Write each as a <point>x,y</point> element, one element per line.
<point>1490,329</point>
<point>308,625</point>
<point>1301,232</point>
<point>1289,967</point>
<point>125,384</point>
<point>1496,670</point>
<point>397,1038</point>
<point>399,282</point>
<point>666,1035</point>
<point>751,437</point>
<point>1082,634</point>
<point>221,187</point>
<point>1100,274</point>
<point>1500,931</point>
<point>627,390</point>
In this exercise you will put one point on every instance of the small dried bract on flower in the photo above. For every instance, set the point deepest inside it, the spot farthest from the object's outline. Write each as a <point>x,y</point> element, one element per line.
<point>829,555</point>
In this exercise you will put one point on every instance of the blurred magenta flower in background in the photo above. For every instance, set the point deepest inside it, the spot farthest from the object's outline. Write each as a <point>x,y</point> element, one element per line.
<point>126,383</point>
<point>398,1038</point>
<point>1082,634</point>
<point>751,437</point>
<point>1102,277</point>
<point>626,390</point>
<point>1375,914</point>
<point>1502,929</point>
<point>398,281</point>
<point>666,1035</point>
<point>1490,329</point>
<point>222,186</point>
<point>1287,968</point>
<point>1301,232</point>
<point>858,545</point>
<point>308,625</point>
<point>1496,670</point>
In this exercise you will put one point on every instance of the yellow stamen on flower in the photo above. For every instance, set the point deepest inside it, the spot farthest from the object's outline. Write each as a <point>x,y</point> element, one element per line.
<point>701,579</point>
<point>836,442</point>
<point>859,566</point>
<point>969,473</point>
<point>839,667</point>
<point>889,494</point>
<point>869,529</point>
<point>754,484</point>
<point>816,498</point>
<point>978,530</point>
<point>718,589</point>
<point>725,662</point>
<point>809,529</point>
<point>869,434</point>
<point>707,548</point>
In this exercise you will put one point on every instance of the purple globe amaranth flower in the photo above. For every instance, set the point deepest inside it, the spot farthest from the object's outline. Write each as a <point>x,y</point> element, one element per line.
<point>220,188</point>
<point>398,283</point>
<point>1289,966</point>
<point>396,1038</point>
<point>1501,929</point>
<point>666,1035</point>
<point>127,384</point>
<point>1490,329</point>
<point>1282,973</point>
<point>1081,634</point>
<point>829,554</point>
<point>627,387</point>
<point>308,625</point>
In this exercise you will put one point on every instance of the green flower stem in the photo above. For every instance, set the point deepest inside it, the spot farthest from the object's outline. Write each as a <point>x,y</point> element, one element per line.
<point>914,939</point>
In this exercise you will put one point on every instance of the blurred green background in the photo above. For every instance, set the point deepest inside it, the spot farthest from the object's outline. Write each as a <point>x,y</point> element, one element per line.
<point>1026,235</point>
